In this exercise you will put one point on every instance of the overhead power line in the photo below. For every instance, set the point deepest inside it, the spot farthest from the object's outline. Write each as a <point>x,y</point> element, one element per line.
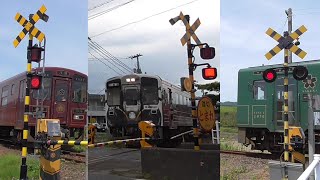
<point>102,4</point>
<point>113,63</point>
<point>143,19</point>
<point>108,10</point>
<point>108,55</point>
<point>104,63</point>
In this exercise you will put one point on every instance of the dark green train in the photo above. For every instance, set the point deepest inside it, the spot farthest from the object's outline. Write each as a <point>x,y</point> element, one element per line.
<point>260,105</point>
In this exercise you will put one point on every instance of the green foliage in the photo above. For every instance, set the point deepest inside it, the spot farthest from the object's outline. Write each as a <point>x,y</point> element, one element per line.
<point>228,116</point>
<point>10,167</point>
<point>214,86</point>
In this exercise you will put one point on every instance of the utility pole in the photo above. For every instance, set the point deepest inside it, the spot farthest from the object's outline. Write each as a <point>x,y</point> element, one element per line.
<point>289,16</point>
<point>138,64</point>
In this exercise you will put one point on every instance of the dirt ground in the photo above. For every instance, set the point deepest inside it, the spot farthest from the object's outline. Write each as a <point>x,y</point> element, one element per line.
<point>237,167</point>
<point>69,169</point>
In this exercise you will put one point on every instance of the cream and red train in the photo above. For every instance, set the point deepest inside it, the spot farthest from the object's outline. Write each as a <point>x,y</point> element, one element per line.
<point>140,97</point>
<point>64,97</point>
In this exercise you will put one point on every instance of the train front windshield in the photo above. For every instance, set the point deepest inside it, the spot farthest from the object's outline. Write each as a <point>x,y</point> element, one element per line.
<point>131,96</point>
<point>113,93</point>
<point>149,91</point>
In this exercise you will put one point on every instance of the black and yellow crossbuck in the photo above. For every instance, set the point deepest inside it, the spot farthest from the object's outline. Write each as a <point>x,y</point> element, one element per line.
<point>29,27</point>
<point>190,30</point>
<point>286,42</point>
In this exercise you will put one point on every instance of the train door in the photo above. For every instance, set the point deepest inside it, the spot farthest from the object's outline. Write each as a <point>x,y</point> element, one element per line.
<point>60,100</point>
<point>259,103</point>
<point>292,103</point>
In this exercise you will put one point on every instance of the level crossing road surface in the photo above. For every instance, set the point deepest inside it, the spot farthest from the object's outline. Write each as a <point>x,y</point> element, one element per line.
<point>114,163</point>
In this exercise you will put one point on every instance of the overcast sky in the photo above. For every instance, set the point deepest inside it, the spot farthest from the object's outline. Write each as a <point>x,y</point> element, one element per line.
<point>244,42</point>
<point>155,38</point>
<point>66,33</point>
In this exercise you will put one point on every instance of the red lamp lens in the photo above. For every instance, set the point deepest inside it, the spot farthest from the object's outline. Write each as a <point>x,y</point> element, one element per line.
<point>35,82</point>
<point>270,75</point>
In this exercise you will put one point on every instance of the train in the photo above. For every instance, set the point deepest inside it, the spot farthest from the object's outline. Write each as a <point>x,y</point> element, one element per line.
<point>260,106</point>
<point>63,95</point>
<point>139,97</point>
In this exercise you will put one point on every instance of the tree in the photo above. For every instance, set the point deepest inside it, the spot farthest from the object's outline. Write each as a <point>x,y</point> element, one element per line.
<point>214,86</point>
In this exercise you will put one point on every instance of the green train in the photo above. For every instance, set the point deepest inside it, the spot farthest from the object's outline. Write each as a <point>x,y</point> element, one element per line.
<point>260,105</point>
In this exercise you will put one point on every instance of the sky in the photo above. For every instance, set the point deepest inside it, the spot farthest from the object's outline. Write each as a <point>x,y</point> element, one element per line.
<point>155,38</point>
<point>244,42</point>
<point>66,33</point>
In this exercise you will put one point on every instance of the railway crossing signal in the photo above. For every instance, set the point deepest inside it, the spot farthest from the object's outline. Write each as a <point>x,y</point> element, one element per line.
<point>207,53</point>
<point>36,82</point>
<point>299,73</point>
<point>29,26</point>
<point>286,42</point>
<point>209,73</point>
<point>33,82</point>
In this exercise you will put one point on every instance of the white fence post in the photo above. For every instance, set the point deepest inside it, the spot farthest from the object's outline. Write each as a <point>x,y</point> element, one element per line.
<point>315,165</point>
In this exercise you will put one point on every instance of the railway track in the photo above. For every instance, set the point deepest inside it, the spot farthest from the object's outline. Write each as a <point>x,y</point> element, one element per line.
<point>73,156</point>
<point>252,154</point>
<point>108,156</point>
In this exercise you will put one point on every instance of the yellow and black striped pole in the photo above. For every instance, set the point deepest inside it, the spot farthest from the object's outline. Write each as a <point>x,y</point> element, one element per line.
<point>85,143</point>
<point>286,110</point>
<point>192,93</point>
<point>24,168</point>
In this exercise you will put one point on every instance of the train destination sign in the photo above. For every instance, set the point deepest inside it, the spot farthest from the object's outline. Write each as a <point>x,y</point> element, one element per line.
<point>206,114</point>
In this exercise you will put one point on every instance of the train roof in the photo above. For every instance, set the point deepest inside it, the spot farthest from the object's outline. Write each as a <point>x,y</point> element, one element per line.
<point>46,69</point>
<point>263,67</point>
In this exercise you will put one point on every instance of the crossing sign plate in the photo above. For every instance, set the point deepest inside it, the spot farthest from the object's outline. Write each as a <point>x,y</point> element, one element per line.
<point>206,115</point>
<point>29,27</point>
<point>286,42</point>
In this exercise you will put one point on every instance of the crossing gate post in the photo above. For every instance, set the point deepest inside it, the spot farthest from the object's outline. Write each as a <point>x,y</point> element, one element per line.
<point>50,163</point>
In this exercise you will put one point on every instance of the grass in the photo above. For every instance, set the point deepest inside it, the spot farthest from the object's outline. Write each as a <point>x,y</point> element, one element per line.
<point>10,167</point>
<point>228,116</point>
<point>234,174</point>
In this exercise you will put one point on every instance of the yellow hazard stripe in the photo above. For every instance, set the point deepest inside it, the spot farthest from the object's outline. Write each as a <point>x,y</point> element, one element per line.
<point>273,52</point>
<point>25,134</point>
<point>84,143</point>
<point>25,118</point>
<point>302,29</point>
<point>285,81</point>
<point>286,125</point>
<point>29,67</point>
<point>273,34</point>
<point>299,52</point>
<point>27,100</point>
<point>285,109</point>
<point>24,151</point>
<point>285,95</point>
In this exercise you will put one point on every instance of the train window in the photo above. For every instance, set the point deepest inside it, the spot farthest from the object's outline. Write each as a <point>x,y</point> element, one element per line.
<point>131,96</point>
<point>13,88</point>
<point>79,91</point>
<point>44,93</point>
<point>4,95</point>
<point>259,90</point>
<point>113,96</point>
<point>149,90</point>
<point>22,90</point>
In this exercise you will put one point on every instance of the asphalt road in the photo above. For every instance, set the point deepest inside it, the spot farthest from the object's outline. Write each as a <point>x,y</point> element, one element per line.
<point>114,164</point>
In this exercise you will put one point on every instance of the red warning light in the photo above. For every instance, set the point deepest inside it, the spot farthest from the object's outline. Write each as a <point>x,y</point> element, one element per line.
<point>207,53</point>
<point>269,75</point>
<point>36,54</point>
<point>35,82</point>
<point>209,73</point>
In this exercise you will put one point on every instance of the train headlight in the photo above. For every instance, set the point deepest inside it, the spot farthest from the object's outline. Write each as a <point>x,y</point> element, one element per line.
<point>133,79</point>
<point>128,80</point>
<point>132,115</point>
<point>78,117</point>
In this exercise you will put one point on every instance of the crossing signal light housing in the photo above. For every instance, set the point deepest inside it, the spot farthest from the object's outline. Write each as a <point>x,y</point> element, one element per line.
<point>209,73</point>
<point>269,75</point>
<point>36,82</point>
<point>207,52</point>
<point>300,73</point>
<point>35,54</point>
